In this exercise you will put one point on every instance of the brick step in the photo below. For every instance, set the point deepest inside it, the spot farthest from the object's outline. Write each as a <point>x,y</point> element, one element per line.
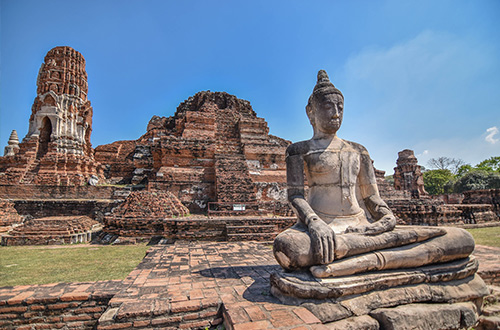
<point>189,316</point>
<point>260,229</point>
<point>257,222</point>
<point>252,237</point>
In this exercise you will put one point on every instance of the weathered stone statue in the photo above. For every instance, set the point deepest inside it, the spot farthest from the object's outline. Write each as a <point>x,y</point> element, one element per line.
<point>344,227</point>
<point>344,214</point>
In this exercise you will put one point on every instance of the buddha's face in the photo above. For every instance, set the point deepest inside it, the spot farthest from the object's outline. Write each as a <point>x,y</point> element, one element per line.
<point>329,109</point>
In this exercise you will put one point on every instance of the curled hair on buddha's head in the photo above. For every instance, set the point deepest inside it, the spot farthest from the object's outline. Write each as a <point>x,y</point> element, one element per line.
<point>323,86</point>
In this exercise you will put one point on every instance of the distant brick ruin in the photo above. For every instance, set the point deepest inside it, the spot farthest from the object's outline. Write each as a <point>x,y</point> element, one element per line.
<point>412,205</point>
<point>57,149</point>
<point>213,150</point>
<point>407,174</point>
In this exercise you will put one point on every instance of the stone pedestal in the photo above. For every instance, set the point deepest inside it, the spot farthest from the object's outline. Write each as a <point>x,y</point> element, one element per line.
<point>440,296</point>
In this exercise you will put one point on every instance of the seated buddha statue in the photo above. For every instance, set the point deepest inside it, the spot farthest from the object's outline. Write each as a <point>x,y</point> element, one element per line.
<point>343,226</point>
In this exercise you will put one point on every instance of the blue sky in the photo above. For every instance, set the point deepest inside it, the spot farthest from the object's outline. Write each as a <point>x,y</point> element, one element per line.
<point>421,75</point>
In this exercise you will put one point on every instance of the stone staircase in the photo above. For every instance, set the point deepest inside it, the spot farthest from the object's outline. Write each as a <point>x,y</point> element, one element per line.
<point>30,172</point>
<point>233,181</point>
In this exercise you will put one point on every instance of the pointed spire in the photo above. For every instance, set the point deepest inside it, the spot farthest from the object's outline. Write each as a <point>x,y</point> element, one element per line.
<point>12,145</point>
<point>13,139</point>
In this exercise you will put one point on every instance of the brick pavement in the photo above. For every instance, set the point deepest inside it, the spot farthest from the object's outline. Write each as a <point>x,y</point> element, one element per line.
<point>202,284</point>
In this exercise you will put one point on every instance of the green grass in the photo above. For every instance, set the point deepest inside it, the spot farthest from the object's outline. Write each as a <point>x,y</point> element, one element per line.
<point>489,236</point>
<point>22,265</point>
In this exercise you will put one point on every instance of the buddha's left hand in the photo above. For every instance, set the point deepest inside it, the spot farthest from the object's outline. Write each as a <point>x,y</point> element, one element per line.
<point>386,223</point>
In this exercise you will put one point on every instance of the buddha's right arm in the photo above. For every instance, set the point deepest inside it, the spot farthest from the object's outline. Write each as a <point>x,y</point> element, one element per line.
<point>295,183</point>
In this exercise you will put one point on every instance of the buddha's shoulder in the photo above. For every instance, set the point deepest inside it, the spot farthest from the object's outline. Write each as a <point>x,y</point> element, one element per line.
<point>298,148</point>
<point>356,147</point>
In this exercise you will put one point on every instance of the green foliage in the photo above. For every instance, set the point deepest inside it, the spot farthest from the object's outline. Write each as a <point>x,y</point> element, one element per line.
<point>490,165</point>
<point>485,175</point>
<point>464,169</point>
<point>436,180</point>
<point>476,180</point>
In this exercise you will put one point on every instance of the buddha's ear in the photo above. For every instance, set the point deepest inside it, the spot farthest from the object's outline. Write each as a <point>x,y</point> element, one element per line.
<point>310,112</point>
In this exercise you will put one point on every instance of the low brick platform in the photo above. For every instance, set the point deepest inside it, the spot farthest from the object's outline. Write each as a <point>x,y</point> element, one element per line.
<point>184,285</point>
<point>55,306</point>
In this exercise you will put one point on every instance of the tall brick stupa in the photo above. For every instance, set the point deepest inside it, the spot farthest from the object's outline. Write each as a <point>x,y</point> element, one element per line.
<point>57,148</point>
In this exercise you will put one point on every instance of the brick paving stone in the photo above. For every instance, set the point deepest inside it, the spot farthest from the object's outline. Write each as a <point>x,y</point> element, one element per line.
<point>284,318</point>
<point>264,324</point>
<point>256,313</point>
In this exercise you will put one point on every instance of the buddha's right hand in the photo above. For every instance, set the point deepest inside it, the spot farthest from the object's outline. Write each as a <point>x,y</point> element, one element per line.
<point>322,240</point>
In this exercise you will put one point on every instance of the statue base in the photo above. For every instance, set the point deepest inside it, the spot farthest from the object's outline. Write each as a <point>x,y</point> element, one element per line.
<point>402,296</point>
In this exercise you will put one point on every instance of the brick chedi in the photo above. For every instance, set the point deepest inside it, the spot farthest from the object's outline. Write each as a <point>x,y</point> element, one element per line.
<point>407,174</point>
<point>57,148</point>
<point>214,149</point>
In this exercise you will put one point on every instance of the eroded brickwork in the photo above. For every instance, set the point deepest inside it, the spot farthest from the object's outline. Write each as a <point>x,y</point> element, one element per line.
<point>8,214</point>
<point>57,148</point>
<point>413,206</point>
<point>143,214</point>
<point>214,149</point>
<point>407,174</point>
<point>52,230</point>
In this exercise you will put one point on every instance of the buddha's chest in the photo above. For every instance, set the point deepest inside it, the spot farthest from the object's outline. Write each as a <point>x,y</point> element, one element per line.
<point>330,167</point>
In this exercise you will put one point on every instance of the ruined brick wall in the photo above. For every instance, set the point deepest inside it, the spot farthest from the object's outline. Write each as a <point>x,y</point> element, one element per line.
<point>40,192</point>
<point>95,209</point>
<point>419,209</point>
<point>214,149</point>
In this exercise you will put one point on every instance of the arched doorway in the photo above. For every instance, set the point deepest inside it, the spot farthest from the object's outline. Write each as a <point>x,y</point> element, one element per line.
<point>44,138</point>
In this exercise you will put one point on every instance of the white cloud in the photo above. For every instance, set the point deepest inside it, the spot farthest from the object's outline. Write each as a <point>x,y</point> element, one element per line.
<point>424,153</point>
<point>490,137</point>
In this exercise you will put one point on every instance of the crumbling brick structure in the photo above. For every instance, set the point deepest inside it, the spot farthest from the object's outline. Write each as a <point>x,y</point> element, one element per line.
<point>407,174</point>
<point>214,149</point>
<point>57,148</point>
<point>52,230</point>
<point>413,206</point>
<point>8,214</point>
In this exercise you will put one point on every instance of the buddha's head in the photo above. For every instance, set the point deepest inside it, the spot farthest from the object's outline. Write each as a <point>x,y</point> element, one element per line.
<point>326,106</point>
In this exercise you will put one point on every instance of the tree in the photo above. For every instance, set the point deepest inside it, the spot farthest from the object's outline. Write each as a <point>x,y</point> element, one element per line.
<point>446,163</point>
<point>490,165</point>
<point>476,180</point>
<point>435,181</point>
<point>464,169</point>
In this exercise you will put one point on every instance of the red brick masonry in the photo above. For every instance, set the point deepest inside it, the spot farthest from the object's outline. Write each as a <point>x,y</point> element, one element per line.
<point>185,285</point>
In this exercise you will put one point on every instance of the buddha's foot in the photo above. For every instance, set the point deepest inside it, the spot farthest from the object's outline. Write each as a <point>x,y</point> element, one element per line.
<point>321,271</point>
<point>349,266</point>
